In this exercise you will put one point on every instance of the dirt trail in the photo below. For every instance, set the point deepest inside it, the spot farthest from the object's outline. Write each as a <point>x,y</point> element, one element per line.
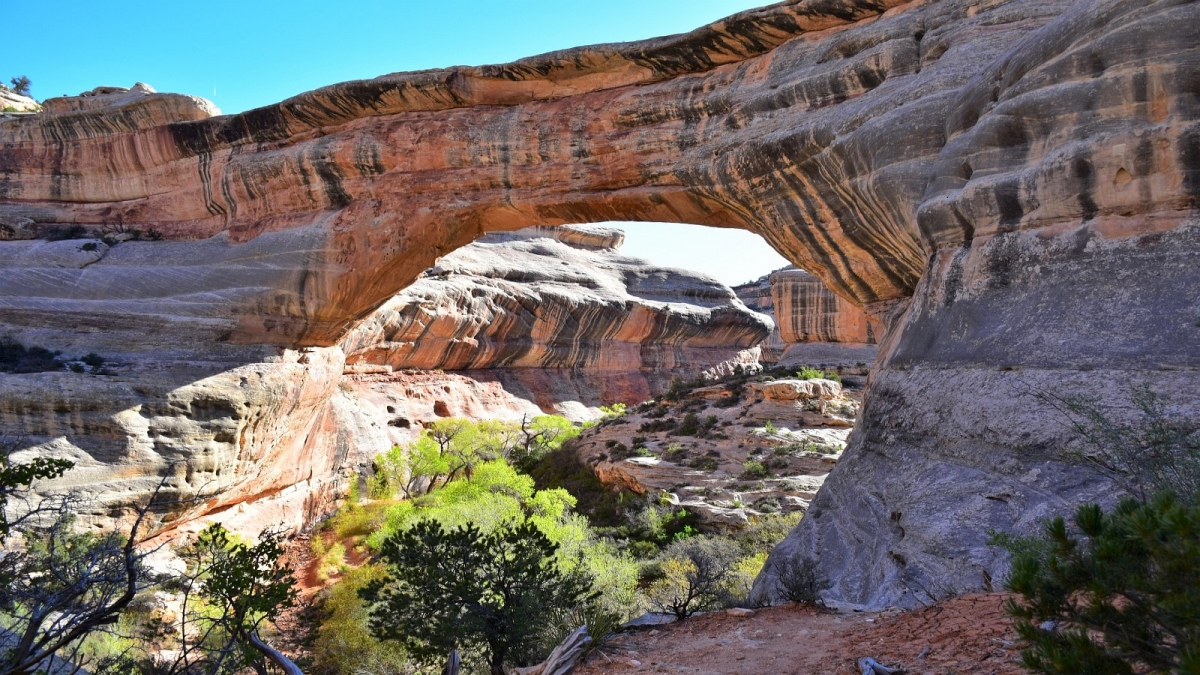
<point>967,634</point>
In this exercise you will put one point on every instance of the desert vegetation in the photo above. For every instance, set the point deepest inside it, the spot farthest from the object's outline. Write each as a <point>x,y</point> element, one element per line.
<point>580,551</point>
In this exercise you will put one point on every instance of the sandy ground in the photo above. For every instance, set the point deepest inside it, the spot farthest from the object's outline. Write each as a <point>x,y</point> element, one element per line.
<point>968,634</point>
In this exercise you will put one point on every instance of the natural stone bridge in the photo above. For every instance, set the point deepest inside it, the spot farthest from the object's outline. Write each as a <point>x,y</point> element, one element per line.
<point>1010,186</point>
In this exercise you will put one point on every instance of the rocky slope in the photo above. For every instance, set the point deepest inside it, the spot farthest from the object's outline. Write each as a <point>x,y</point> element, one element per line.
<point>1010,187</point>
<point>731,451</point>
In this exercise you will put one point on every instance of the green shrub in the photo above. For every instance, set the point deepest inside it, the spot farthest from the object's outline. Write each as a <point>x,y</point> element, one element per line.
<point>1121,592</point>
<point>807,373</point>
<point>463,589</point>
<point>704,463</point>
<point>689,426</point>
<point>752,470</point>
<point>343,643</point>
<point>797,579</point>
<point>17,358</point>
<point>695,576</point>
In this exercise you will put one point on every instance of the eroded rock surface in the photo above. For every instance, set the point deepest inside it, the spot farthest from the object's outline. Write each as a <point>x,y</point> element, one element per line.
<point>1011,187</point>
<point>517,325</point>
<point>813,326</point>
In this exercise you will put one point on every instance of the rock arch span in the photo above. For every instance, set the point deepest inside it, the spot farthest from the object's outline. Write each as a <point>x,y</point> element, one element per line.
<point>1010,186</point>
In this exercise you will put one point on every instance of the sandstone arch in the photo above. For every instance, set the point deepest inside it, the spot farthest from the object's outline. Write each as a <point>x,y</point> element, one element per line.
<point>1010,186</point>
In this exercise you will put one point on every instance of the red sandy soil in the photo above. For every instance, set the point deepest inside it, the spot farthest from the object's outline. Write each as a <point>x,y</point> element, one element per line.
<point>967,634</point>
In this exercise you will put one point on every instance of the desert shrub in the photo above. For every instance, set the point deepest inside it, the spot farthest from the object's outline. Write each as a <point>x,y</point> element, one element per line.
<point>642,452</point>
<point>763,533</point>
<point>20,85</point>
<point>656,425</point>
<point>638,440</point>
<point>688,427</point>
<point>1159,450</point>
<point>727,401</point>
<point>741,579</point>
<point>657,412</point>
<point>752,470</point>
<point>613,410</point>
<point>808,373</point>
<point>332,562</point>
<point>675,453</point>
<point>1120,591</point>
<point>17,358</point>
<point>343,642</point>
<point>797,580</point>
<point>462,589</point>
<point>619,451</point>
<point>695,575</point>
<point>704,463</point>
<point>563,469</point>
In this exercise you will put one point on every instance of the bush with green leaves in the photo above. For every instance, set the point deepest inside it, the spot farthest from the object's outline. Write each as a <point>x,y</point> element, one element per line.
<point>1117,593</point>
<point>343,641</point>
<point>695,576</point>
<point>490,595</point>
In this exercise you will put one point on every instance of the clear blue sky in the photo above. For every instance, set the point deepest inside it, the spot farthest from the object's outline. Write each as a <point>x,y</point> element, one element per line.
<point>245,54</point>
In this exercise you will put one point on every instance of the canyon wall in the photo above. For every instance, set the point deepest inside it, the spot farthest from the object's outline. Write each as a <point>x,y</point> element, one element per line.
<point>813,326</point>
<point>1010,188</point>
<point>552,320</point>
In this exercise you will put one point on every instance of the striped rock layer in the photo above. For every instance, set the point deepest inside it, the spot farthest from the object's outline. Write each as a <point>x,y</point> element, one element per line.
<point>1010,186</point>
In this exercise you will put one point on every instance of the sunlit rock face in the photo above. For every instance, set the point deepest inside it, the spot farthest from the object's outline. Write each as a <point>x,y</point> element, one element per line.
<point>818,327</point>
<point>558,302</point>
<point>1010,187</point>
<point>542,320</point>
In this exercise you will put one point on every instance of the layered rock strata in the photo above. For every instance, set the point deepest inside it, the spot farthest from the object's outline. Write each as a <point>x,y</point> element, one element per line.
<point>530,322</point>
<point>1011,187</point>
<point>814,326</point>
<point>757,296</point>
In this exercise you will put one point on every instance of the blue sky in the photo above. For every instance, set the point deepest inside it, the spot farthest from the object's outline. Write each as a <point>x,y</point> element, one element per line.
<point>246,54</point>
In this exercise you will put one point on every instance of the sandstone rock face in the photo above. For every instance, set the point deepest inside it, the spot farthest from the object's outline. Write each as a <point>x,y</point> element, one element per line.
<point>545,302</point>
<point>1010,187</point>
<point>11,101</point>
<point>757,296</point>
<point>534,321</point>
<point>817,326</point>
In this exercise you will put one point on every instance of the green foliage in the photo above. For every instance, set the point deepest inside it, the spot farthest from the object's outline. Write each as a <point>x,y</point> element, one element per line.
<point>16,478</point>
<point>808,373</point>
<point>451,448</point>
<point>689,426</point>
<point>464,589</point>
<point>1159,450</point>
<point>563,468</point>
<point>752,470</point>
<point>769,427</point>
<point>695,576</point>
<point>704,463</point>
<point>20,85</point>
<point>1123,589</point>
<point>241,587</point>
<point>343,643</point>
<point>614,410</point>
<point>17,358</point>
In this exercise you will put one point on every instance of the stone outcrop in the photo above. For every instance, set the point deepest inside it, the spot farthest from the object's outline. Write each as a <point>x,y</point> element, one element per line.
<point>1010,187</point>
<point>757,296</point>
